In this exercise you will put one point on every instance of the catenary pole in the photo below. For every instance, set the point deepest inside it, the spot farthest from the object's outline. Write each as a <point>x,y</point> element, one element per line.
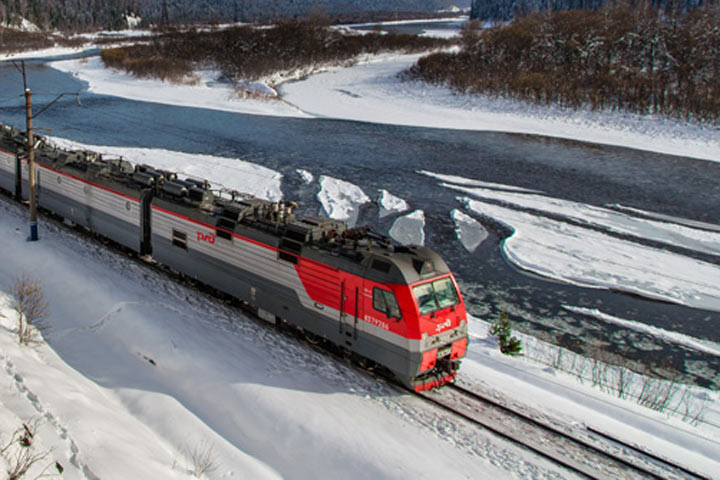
<point>31,147</point>
<point>31,167</point>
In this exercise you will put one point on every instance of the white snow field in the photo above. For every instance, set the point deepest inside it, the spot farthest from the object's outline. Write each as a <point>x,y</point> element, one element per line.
<point>206,89</point>
<point>139,371</point>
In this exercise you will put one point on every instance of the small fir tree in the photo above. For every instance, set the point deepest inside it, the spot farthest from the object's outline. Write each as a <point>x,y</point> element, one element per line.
<point>509,344</point>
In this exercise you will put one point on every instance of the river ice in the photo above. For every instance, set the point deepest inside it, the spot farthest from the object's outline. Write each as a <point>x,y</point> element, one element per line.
<point>469,231</point>
<point>341,199</point>
<point>409,229</point>
<point>585,257</point>
<point>390,204</point>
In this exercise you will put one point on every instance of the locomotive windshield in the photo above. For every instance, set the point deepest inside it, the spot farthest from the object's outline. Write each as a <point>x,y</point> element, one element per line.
<point>434,296</point>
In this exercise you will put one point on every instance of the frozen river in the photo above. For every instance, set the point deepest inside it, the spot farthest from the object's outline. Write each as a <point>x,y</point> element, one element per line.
<point>377,157</point>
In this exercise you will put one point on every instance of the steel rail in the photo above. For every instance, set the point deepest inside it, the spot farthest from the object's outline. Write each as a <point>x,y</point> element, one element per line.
<point>644,452</point>
<point>595,463</point>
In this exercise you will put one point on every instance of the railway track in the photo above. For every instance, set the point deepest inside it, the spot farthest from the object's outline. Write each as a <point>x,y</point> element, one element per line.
<point>586,452</point>
<point>595,454</point>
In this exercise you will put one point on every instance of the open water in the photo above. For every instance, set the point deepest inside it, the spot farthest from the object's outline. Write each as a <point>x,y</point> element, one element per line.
<point>384,156</point>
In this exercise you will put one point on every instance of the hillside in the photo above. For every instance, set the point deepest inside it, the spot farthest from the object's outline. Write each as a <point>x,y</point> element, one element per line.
<point>84,14</point>
<point>506,9</point>
<point>622,58</point>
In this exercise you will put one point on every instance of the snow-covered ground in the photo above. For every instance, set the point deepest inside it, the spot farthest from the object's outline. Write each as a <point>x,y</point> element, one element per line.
<point>140,371</point>
<point>48,52</point>
<point>138,367</point>
<point>88,47</point>
<point>205,90</point>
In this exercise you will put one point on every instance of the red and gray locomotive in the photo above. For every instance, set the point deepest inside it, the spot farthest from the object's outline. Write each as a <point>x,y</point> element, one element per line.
<point>397,306</point>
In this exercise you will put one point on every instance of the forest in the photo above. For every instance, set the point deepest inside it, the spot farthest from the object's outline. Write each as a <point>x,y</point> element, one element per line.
<point>503,10</point>
<point>249,53</point>
<point>81,15</point>
<point>638,60</point>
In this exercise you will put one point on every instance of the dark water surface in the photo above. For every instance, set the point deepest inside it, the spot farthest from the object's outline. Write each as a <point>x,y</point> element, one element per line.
<point>415,27</point>
<point>377,156</point>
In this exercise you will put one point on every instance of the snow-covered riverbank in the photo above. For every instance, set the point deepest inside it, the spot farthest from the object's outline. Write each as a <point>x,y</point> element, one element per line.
<point>373,92</point>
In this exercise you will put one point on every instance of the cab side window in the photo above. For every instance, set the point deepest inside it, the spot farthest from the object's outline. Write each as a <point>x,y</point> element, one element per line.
<point>384,301</point>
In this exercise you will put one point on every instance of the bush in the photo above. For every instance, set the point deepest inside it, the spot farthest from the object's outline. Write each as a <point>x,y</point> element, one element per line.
<point>250,53</point>
<point>21,456</point>
<point>31,308</point>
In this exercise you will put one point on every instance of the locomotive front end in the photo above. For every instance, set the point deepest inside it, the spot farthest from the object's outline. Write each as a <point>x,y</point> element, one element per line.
<point>435,316</point>
<point>443,329</point>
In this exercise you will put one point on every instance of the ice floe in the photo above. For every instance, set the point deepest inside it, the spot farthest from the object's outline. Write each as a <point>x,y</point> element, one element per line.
<point>470,182</point>
<point>672,337</point>
<point>306,176</point>
<point>611,220</point>
<point>409,229</point>
<point>390,204</point>
<point>585,257</point>
<point>469,231</point>
<point>341,199</point>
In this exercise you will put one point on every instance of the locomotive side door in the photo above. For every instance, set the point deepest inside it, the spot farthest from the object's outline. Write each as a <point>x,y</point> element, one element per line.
<point>350,297</point>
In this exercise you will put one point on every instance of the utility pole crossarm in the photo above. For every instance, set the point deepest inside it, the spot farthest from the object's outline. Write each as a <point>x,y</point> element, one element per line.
<point>77,96</point>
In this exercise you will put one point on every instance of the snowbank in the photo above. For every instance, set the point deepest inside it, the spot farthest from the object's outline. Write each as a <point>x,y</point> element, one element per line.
<point>206,89</point>
<point>232,173</point>
<point>366,92</point>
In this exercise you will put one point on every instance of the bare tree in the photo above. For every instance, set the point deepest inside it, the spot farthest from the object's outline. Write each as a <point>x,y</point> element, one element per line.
<point>31,307</point>
<point>203,459</point>
<point>20,454</point>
